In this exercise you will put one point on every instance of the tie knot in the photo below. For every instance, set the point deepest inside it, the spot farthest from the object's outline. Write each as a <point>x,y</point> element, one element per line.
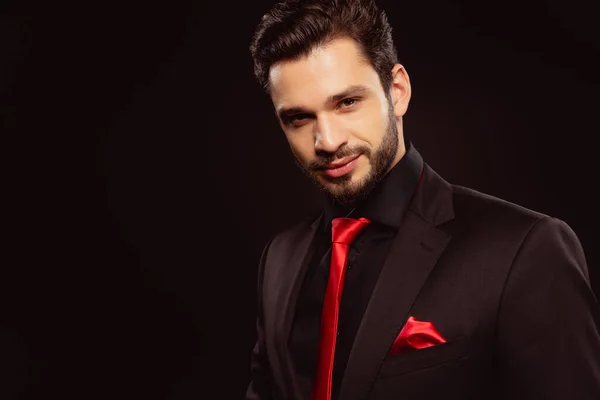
<point>345,230</point>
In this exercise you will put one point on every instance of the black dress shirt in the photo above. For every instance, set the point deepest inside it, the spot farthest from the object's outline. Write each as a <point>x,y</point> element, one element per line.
<point>385,207</point>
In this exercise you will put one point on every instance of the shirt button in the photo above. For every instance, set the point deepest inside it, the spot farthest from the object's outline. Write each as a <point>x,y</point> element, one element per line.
<point>351,257</point>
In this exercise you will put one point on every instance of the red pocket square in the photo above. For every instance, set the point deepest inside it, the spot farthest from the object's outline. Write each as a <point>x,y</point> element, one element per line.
<point>417,335</point>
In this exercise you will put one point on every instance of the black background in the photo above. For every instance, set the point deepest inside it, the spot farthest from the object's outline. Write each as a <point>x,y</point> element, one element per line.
<point>144,171</point>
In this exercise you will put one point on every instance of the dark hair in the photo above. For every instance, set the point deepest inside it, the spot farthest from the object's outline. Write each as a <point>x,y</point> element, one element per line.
<point>292,28</point>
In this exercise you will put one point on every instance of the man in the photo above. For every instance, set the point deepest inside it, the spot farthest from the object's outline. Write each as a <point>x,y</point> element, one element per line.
<point>405,286</point>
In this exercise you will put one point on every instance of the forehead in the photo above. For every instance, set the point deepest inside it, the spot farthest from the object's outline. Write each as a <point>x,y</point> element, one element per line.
<point>325,71</point>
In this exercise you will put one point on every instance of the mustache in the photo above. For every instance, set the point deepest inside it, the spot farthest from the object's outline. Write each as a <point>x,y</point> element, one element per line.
<point>327,158</point>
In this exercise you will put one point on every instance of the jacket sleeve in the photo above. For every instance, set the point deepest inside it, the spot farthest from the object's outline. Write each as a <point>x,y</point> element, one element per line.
<point>261,384</point>
<point>548,337</point>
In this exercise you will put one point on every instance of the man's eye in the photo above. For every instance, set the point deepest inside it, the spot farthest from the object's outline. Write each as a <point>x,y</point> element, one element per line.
<point>348,102</point>
<point>297,119</point>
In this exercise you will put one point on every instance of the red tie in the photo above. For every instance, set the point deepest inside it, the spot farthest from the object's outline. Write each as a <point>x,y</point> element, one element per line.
<point>343,232</point>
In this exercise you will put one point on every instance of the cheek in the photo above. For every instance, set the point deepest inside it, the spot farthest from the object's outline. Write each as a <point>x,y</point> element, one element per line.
<point>302,146</point>
<point>382,124</point>
<point>370,126</point>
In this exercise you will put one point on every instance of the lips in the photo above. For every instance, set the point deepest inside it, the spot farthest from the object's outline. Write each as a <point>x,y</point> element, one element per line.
<point>341,162</point>
<point>341,167</point>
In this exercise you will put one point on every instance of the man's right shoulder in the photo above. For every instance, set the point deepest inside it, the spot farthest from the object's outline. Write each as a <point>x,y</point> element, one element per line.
<point>301,227</point>
<point>297,231</point>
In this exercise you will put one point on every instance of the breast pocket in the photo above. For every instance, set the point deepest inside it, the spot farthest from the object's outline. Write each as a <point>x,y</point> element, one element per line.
<point>414,360</point>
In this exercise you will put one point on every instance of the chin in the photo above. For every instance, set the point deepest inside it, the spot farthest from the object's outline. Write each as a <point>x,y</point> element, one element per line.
<point>344,189</point>
<point>348,191</point>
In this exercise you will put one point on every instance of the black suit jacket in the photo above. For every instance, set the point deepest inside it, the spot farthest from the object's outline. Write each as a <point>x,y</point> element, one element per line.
<point>506,286</point>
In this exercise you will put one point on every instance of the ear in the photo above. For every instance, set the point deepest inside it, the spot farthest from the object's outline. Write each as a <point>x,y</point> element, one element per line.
<point>400,90</point>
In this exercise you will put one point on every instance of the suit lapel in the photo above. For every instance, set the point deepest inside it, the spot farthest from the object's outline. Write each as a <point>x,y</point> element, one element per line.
<point>414,253</point>
<point>295,265</point>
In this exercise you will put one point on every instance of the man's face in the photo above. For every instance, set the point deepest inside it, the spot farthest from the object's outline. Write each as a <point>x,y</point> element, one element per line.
<point>339,123</point>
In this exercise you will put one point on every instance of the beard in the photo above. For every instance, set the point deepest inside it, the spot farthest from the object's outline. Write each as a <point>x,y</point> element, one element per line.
<point>341,189</point>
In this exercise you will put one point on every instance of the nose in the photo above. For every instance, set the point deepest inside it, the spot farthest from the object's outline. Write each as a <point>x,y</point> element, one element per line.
<point>328,134</point>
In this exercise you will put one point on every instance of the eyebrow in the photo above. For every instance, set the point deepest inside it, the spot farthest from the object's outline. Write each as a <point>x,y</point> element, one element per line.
<point>350,91</point>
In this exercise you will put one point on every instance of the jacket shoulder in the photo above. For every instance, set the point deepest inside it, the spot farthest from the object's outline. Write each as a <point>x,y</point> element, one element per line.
<point>476,208</point>
<point>296,231</point>
<point>470,197</point>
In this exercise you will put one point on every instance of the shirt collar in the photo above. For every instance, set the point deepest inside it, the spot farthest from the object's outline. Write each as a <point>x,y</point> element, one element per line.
<point>389,200</point>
